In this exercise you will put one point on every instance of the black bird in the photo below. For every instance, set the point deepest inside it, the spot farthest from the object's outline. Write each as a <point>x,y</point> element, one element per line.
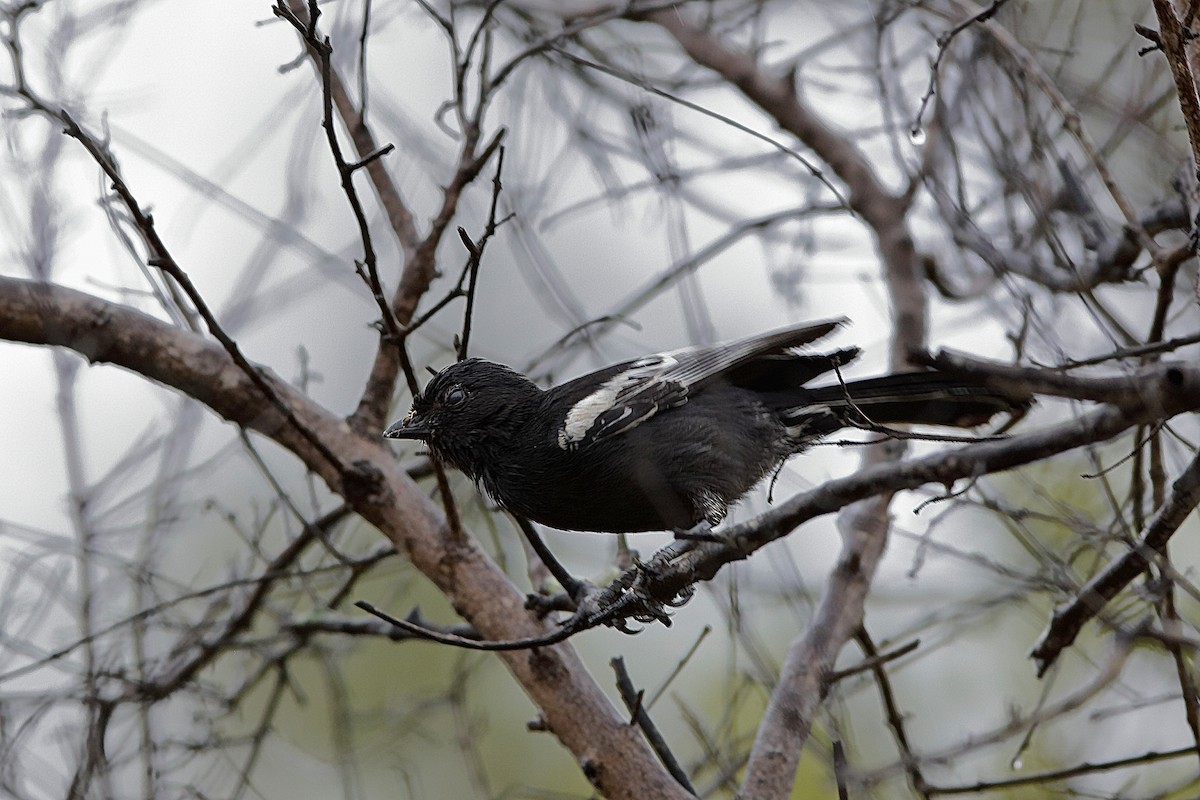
<point>669,441</point>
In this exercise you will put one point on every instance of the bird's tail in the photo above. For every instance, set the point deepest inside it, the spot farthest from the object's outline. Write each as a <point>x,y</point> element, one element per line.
<point>924,398</point>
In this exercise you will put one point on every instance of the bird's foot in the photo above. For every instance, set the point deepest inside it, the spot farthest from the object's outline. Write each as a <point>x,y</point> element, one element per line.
<point>639,594</point>
<point>635,595</point>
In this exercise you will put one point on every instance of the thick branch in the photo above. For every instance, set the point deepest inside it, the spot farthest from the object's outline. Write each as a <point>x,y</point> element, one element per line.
<point>1174,45</point>
<point>611,753</point>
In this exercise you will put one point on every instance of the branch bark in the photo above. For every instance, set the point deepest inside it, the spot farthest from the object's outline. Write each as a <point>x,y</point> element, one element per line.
<point>611,753</point>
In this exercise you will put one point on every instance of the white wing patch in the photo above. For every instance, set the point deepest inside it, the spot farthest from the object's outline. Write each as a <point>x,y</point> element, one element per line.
<point>661,381</point>
<point>624,401</point>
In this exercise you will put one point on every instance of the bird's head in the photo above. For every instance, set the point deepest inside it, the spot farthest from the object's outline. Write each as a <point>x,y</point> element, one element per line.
<point>468,408</point>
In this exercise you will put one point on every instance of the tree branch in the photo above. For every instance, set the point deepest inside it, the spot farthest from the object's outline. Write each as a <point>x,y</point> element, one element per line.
<point>611,754</point>
<point>1069,618</point>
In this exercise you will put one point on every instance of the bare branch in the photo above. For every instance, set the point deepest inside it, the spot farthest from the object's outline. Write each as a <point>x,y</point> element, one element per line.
<point>374,485</point>
<point>1070,617</point>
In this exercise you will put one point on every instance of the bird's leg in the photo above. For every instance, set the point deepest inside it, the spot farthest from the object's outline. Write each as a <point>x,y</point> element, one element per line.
<point>633,595</point>
<point>577,590</point>
<point>637,594</point>
<point>590,603</point>
<point>611,605</point>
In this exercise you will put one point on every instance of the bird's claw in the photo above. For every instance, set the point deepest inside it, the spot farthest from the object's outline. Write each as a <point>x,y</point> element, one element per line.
<point>633,596</point>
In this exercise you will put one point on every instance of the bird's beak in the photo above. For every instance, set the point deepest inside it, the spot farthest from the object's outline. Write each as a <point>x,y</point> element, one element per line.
<point>411,427</point>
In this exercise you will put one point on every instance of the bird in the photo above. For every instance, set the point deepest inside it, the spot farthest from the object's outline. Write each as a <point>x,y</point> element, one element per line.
<point>670,441</point>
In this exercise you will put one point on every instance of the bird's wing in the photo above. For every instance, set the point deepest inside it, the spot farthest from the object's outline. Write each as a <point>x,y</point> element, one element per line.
<point>620,398</point>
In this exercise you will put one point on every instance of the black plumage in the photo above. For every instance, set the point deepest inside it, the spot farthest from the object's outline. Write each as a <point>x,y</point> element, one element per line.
<point>670,440</point>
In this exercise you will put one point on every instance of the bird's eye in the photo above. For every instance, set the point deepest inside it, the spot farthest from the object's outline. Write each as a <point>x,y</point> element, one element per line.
<point>456,396</point>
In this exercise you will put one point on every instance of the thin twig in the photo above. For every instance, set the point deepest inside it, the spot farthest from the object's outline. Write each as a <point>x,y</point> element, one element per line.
<point>943,46</point>
<point>632,698</point>
<point>1069,618</point>
<point>894,718</point>
<point>160,257</point>
<point>476,248</point>
<point>322,51</point>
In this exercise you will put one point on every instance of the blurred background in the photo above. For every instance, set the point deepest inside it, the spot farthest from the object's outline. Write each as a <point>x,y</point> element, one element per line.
<point>648,204</point>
